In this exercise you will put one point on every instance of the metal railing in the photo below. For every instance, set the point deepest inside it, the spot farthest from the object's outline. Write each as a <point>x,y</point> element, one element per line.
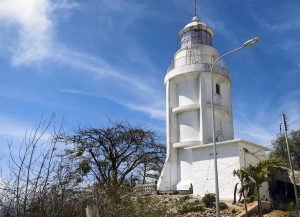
<point>193,56</point>
<point>145,188</point>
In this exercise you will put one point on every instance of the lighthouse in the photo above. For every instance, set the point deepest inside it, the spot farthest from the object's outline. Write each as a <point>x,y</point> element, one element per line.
<point>189,163</point>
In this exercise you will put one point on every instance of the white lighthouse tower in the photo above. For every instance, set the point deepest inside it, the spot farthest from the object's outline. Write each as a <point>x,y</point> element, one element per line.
<point>189,163</point>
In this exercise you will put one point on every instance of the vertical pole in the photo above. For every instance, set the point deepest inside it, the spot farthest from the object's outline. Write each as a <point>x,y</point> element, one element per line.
<point>290,161</point>
<point>214,62</point>
<point>214,142</point>
<point>195,8</point>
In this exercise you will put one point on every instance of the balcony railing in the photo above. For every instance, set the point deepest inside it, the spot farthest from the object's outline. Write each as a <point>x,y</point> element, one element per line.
<point>145,189</point>
<point>204,61</point>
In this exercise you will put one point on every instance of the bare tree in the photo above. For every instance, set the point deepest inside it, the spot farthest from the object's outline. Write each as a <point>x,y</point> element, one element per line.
<point>27,169</point>
<point>46,179</point>
<point>151,168</point>
<point>110,154</point>
<point>38,182</point>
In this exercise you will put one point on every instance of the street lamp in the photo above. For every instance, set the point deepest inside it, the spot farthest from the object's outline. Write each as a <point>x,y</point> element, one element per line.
<point>246,44</point>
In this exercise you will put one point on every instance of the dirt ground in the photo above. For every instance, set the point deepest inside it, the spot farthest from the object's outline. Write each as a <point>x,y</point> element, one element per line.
<point>172,202</point>
<point>276,213</point>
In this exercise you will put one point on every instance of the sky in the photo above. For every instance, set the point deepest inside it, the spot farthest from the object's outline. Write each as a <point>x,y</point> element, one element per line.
<point>90,61</point>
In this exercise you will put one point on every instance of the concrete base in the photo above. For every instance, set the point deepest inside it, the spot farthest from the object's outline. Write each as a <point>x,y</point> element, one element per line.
<point>194,166</point>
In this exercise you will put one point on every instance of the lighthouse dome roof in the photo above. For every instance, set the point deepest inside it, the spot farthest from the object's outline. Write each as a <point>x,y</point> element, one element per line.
<point>196,24</point>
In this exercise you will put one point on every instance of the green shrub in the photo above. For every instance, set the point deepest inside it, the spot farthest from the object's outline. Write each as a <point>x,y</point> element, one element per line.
<point>184,198</point>
<point>194,206</point>
<point>223,205</point>
<point>292,208</point>
<point>209,200</point>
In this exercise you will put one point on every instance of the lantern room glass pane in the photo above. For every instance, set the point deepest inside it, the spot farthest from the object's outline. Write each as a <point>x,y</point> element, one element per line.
<point>195,37</point>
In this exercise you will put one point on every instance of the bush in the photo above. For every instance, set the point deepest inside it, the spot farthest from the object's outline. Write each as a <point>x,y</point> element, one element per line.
<point>184,198</point>
<point>209,200</point>
<point>194,206</point>
<point>223,205</point>
<point>293,209</point>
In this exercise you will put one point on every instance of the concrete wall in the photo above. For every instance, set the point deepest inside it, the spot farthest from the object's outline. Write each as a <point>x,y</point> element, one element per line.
<point>187,92</point>
<point>251,154</point>
<point>188,126</point>
<point>203,170</point>
<point>184,169</point>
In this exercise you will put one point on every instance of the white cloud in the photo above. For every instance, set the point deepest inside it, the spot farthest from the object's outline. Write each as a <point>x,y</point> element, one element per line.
<point>36,41</point>
<point>155,109</point>
<point>264,126</point>
<point>33,26</point>
<point>102,69</point>
<point>34,32</point>
<point>255,132</point>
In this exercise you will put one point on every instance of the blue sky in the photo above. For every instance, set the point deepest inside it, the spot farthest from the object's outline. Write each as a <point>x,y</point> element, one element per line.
<point>93,60</point>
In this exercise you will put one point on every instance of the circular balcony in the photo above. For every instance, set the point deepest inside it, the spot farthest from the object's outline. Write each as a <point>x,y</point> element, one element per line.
<point>204,61</point>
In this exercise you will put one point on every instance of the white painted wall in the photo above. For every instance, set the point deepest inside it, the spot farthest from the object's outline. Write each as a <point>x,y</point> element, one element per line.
<point>185,176</point>
<point>188,126</point>
<point>203,170</point>
<point>185,159</point>
<point>187,92</point>
<point>251,154</point>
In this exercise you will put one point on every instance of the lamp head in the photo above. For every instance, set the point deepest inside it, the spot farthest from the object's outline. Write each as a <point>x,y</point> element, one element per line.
<point>251,42</point>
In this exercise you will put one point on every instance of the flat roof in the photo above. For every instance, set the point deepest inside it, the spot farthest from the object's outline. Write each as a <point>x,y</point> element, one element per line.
<point>234,141</point>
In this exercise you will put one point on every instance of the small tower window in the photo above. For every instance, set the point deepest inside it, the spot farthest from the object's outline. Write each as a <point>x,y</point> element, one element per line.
<point>218,89</point>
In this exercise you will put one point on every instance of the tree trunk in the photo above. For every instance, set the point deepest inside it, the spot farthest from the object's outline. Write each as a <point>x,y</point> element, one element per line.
<point>114,178</point>
<point>234,193</point>
<point>245,204</point>
<point>258,203</point>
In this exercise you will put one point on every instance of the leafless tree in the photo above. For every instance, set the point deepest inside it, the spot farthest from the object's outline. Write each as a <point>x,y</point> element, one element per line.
<point>111,153</point>
<point>47,179</point>
<point>36,177</point>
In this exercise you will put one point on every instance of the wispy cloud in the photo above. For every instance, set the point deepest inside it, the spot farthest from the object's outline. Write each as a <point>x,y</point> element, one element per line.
<point>154,109</point>
<point>34,28</point>
<point>263,126</point>
<point>136,95</point>
<point>36,41</point>
<point>281,27</point>
<point>101,69</point>
<point>32,39</point>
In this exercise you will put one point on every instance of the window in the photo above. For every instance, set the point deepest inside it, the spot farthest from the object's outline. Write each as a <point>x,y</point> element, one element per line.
<point>195,37</point>
<point>218,90</point>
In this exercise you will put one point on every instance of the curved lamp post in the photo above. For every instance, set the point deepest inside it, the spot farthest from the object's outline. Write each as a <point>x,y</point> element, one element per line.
<point>246,44</point>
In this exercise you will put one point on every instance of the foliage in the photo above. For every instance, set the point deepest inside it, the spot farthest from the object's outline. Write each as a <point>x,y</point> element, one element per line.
<point>255,174</point>
<point>292,208</point>
<point>280,151</point>
<point>223,205</point>
<point>209,200</point>
<point>194,206</point>
<point>262,171</point>
<point>184,198</point>
<point>246,185</point>
<point>112,153</point>
<point>132,206</point>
